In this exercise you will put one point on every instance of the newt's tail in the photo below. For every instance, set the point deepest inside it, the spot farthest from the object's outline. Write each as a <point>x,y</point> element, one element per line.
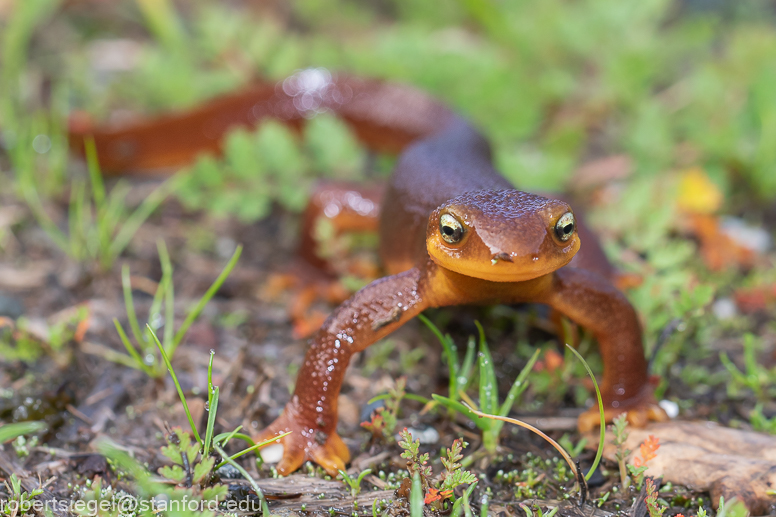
<point>384,116</point>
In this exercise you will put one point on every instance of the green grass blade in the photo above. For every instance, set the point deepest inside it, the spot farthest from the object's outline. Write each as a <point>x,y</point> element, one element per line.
<point>141,214</point>
<point>416,496</point>
<point>750,354</point>
<point>93,166</point>
<point>206,298</point>
<point>115,357</point>
<point>484,506</point>
<point>18,29</point>
<point>450,352</point>
<point>139,362</point>
<point>241,470</point>
<point>75,216</point>
<point>163,21</point>
<point>210,370</point>
<point>211,420</point>
<point>177,385</point>
<point>732,368</point>
<point>226,437</point>
<point>534,430</point>
<point>519,386</point>
<point>482,423</point>
<point>361,476</point>
<point>160,296</point>
<point>488,382</point>
<point>467,508</point>
<point>129,303</point>
<point>254,447</point>
<point>102,239</point>
<point>59,152</point>
<point>169,296</point>
<point>409,396</point>
<point>212,406</point>
<point>463,502</point>
<point>602,436</point>
<point>128,464</point>
<point>111,217</point>
<point>15,430</point>
<point>155,311</point>
<point>465,375</point>
<point>489,15</point>
<point>45,222</point>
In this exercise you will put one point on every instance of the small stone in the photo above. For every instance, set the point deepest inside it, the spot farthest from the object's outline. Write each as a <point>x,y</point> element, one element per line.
<point>750,237</point>
<point>367,410</point>
<point>228,472</point>
<point>427,435</point>
<point>724,309</point>
<point>225,247</point>
<point>11,307</point>
<point>272,453</point>
<point>671,408</point>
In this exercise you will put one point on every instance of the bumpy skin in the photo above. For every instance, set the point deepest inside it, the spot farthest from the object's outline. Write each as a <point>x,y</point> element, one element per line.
<point>509,250</point>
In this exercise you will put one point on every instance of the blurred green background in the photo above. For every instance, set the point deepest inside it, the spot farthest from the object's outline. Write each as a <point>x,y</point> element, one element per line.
<point>553,83</point>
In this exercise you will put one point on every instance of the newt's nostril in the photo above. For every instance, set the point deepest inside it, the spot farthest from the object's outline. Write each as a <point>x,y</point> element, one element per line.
<point>501,256</point>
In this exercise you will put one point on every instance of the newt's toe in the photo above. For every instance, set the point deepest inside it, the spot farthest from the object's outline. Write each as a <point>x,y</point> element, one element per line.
<point>329,457</point>
<point>293,457</point>
<point>638,416</point>
<point>326,449</point>
<point>588,421</point>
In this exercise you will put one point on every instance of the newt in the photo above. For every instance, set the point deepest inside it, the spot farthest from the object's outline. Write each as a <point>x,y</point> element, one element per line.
<point>453,231</point>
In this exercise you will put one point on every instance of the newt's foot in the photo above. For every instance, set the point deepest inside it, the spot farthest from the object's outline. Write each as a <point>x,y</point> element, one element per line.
<point>305,443</point>
<point>639,415</point>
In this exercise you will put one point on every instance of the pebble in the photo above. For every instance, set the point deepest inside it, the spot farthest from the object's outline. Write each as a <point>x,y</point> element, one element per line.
<point>228,472</point>
<point>225,247</point>
<point>671,408</point>
<point>427,435</point>
<point>10,307</point>
<point>724,309</point>
<point>745,235</point>
<point>272,453</point>
<point>367,410</point>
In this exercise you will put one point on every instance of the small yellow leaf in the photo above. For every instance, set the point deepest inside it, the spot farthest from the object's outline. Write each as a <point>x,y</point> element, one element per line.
<point>697,193</point>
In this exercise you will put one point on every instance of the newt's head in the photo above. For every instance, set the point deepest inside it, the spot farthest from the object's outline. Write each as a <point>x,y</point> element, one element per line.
<point>502,235</point>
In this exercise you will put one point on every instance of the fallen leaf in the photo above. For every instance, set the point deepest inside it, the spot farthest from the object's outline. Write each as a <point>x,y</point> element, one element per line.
<point>6,8</point>
<point>30,276</point>
<point>602,171</point>
<point>755,299</point>
<point>697,193</point>
<point>718,249</point>
<point>551,361</point>
<point>707,456</point>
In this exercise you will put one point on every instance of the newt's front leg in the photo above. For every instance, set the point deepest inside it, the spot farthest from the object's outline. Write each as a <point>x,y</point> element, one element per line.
<point>589,300</point>
<point>372,313</point>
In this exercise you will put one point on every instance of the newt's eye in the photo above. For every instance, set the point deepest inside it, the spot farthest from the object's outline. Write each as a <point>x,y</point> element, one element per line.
<point>565,226</point>
<point>450,228</point>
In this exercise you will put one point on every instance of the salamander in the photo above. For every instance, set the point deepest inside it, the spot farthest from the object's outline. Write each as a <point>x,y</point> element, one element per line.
<point>453,231</point>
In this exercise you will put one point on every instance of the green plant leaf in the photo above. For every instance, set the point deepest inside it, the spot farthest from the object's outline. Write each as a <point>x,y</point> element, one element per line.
<point>12,431</point>
<point>488,380</point>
